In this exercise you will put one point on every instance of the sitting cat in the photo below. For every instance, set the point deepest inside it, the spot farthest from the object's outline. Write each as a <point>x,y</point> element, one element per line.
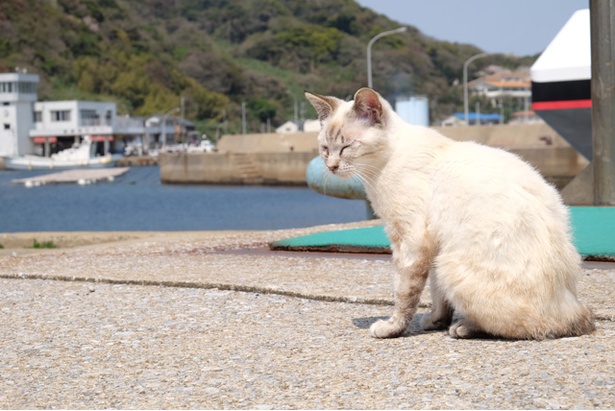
<point>490,232</point>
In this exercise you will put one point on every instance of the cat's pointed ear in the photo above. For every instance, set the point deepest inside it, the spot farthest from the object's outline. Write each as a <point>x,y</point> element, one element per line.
<point>325,106</point>
<point>367,105</point>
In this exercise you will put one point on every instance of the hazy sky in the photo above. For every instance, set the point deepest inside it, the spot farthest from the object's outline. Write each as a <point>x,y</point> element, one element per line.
<point>521,27</point>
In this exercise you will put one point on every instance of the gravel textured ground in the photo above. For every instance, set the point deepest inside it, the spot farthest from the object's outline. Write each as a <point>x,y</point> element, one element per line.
<point>220,323</point>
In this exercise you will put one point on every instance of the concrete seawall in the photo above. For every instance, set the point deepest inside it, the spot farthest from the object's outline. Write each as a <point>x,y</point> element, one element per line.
<point>282,159</point>
<point>235,168</point>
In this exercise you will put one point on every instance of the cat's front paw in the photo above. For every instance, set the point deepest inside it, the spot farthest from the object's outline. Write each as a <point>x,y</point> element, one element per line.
<point>387,329</point>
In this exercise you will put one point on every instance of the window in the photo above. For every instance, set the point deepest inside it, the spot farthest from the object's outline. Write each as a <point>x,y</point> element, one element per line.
<point>6,87</point>
<point>38,117</point>
<point>89,117</point>
<point>27,87</point>
<point>60,115</point>
<point>7,126</point>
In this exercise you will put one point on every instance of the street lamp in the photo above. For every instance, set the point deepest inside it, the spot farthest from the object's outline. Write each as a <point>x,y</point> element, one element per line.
<point>465,83</point>
<point>164,125</point>
<point>369,50</point>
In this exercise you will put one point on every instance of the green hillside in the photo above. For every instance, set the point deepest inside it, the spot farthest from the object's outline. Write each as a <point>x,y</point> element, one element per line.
<point>147,54</point>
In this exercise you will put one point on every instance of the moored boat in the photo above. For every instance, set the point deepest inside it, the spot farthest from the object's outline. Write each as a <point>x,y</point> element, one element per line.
<point>80,155</point>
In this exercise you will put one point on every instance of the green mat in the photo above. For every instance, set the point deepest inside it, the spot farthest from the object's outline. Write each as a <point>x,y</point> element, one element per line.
<point>593,235</point>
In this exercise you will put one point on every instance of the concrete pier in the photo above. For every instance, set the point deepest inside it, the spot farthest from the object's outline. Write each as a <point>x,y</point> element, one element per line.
<point>212,320</point>
<point>79,176</point>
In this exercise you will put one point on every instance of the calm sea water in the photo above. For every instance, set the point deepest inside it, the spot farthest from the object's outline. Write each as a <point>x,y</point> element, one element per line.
<point>137,201</point>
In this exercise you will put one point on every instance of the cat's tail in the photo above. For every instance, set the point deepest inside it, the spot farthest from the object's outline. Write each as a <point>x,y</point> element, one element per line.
<point>565,317</point>
<point>581,323</point>
<point>575,320</point>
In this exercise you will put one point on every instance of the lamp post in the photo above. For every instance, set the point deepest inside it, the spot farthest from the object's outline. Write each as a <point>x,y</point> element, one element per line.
<point>465,83</point>
<point>369,50</point>
<point>164,125</point>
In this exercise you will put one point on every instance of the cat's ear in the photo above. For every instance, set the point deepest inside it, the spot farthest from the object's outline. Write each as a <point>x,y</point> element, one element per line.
<point>325,106</point>
<point>367,106</point>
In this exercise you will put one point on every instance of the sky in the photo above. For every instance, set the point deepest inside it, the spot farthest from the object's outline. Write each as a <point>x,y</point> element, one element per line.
<point>520,27</point>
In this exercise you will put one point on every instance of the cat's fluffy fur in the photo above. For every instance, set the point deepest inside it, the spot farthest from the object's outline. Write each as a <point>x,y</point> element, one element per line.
<point>490,232</point>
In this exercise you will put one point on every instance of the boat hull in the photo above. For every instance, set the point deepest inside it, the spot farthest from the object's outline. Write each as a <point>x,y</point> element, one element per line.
<point>43,163</point>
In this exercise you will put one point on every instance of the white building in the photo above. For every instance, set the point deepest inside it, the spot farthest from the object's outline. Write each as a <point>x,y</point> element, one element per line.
<point>55,121</point>
<point>29,126</point>
<point>306,126</point>
<point>310,126</point>
<point>18,92</point>
<point>287,128</point>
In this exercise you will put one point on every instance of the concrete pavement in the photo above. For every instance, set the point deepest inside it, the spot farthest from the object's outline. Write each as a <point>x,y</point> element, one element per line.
<point>215,320</point>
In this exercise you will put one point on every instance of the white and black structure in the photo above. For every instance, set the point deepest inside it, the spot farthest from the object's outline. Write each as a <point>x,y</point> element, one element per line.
<point>561,83</point>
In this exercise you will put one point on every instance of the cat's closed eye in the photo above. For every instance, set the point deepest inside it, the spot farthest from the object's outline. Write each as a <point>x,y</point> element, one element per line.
<point>325,151</point>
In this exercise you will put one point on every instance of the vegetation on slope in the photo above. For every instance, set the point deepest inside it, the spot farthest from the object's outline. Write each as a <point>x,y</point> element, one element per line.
<point>218,54</point>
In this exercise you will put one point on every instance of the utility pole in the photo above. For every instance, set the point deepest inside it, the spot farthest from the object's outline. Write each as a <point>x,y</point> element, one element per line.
<point>602,19</point>
<point>243,117</point>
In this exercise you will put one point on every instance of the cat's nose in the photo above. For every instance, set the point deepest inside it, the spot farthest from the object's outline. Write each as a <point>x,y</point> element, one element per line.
<point>334,168</point>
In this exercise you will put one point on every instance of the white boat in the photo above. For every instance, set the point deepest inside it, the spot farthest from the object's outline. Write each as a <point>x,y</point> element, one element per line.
<point>80,155</point>
<point>204,146</point>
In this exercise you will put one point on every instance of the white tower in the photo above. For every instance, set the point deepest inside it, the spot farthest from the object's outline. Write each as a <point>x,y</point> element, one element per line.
<point>18,93</point>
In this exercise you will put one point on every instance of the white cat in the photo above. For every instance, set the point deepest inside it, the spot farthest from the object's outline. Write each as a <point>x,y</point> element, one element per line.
<point>490,232</point>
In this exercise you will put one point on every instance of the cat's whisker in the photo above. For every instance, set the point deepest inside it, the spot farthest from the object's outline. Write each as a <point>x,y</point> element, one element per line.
<point>366,183</point>
<point>367,174</point>
<point>326,182</point>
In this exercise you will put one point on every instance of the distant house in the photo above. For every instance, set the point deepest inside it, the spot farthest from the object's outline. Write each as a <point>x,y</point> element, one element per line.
<point>295,127</point>
<point>503,83</point>
<point>311,126</point>
<point>458,119</point>
<point>287,128</point>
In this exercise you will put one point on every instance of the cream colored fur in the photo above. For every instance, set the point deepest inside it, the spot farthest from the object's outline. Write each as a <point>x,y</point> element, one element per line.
<point>490,232</point>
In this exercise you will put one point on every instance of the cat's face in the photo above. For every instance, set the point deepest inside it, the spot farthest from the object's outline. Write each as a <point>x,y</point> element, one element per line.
<point>352,133</point>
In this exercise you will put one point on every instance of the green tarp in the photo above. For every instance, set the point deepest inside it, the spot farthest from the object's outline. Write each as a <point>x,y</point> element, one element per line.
<point>593,235</point>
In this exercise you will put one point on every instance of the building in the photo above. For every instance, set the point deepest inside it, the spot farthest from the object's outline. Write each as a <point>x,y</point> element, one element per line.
<point>288,128</point>
<point>18,92</point>
<point>505,88</point>
<point>29,126</point>
<point>64,123</point>
<point>306,126</point>
<point>503,83</point>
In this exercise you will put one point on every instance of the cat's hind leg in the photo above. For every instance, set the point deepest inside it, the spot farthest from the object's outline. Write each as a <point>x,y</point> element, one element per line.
<point>466,329</point>
<point>441,314</point>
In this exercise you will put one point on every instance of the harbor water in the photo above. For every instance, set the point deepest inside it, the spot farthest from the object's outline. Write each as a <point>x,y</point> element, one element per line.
<point>137,201</point>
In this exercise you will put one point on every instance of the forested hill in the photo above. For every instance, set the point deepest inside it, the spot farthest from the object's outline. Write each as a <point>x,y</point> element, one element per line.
<point>145,54</point>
